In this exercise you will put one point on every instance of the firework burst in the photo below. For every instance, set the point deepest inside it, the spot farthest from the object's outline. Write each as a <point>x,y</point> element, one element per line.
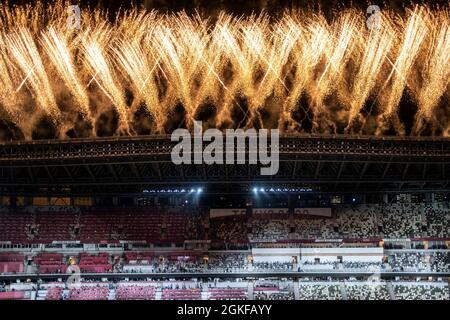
<point>339,76</point>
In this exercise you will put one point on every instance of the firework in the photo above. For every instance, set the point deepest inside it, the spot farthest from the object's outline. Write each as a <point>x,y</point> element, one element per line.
<point>340,76</point>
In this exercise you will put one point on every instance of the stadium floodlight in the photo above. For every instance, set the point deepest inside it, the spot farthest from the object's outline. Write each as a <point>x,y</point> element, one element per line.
<point>255,190</point>
<point>192,190</point>
<point>262,189</point>
<point>199,190</point>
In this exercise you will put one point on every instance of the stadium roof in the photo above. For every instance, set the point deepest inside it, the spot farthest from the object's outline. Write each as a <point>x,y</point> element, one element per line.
<point>128,165</point>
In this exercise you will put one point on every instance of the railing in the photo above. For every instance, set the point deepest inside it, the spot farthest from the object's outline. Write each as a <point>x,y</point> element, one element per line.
<point>162,146</point>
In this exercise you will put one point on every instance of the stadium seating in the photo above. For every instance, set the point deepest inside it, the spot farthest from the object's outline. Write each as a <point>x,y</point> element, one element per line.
<point>273,296</point>
<point>320,291</point>
<point>273,266</point>
<point>420,291</point>
<point>155,244</point>
<point>135,291</point>
<point>90,292</point>
<point>270,230</point>
<point>308,289</point>
<point>437,219</point>
<point>94,263</point>
<point>100,225</point>
<point>15,227</point>
<point>54,293</point>
<point>440,261</point>
<point>399,221</point>
<point>226,261</point>
<point>50,263</point>
<point>54,226</point>
<point>436,261</point>
<point>94,226</point>
<point>367,291</point>
<point>229,229</point>
<point>12,295</point>
<point>227,294</point>
<point>181,294</point>
<point>11,262</point>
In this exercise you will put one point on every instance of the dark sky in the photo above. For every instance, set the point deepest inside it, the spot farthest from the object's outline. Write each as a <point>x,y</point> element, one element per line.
<point>247,6</point>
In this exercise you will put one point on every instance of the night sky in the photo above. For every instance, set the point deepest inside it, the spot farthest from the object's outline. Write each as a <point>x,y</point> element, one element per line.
<point>246,6</point>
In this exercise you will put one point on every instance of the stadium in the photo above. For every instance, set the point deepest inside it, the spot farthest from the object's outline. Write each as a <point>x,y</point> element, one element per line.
<point>93,207</point>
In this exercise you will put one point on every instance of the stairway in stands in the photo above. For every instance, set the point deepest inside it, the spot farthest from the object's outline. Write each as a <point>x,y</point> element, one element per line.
<point>41,294</point>
<point>250,288</point>
<point>158,294</point>
<point>390,289</point>
<point>112,294</point>
<point>343,290</point>
<point>296,290</point>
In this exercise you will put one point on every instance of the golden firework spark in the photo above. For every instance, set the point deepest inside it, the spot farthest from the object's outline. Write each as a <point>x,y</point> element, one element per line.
<point>161,60</point>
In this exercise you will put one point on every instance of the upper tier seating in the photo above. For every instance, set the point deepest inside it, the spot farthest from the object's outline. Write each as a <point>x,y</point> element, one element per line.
<point>54,226</point>
<point>99,225</point>
<point>229,229</point>
<point>14,227</point>
<point>272,291</point>
<point>93,226</point>
<point>437,219</point>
